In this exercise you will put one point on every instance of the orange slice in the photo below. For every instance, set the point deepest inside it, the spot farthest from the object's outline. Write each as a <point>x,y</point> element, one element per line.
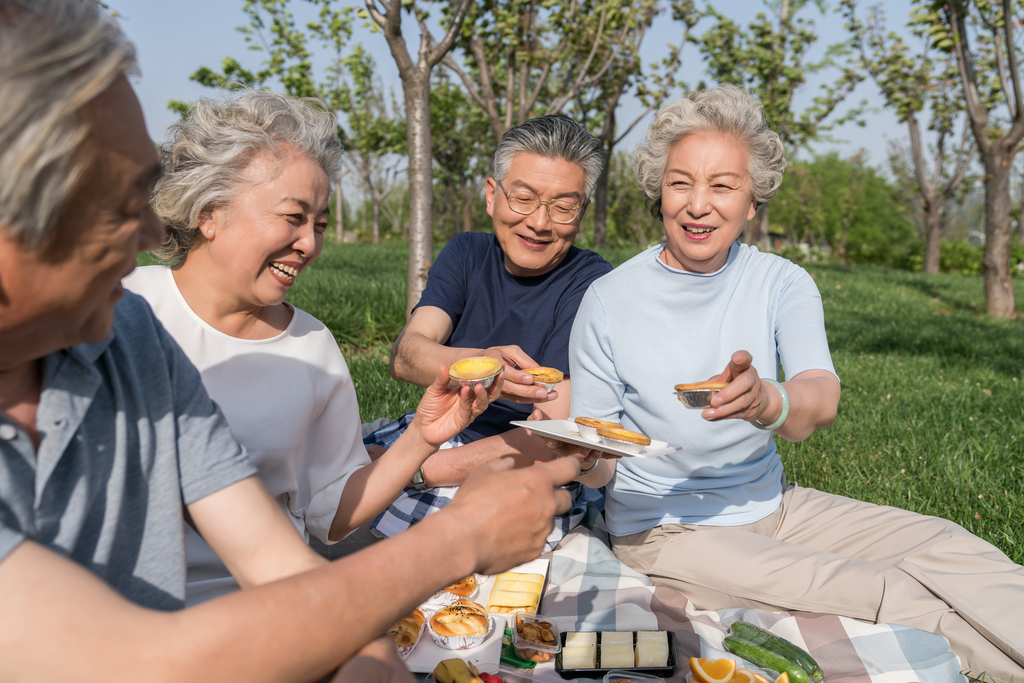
<point>745,676</point>
<point>783,678</point>
<point>761,679</point>
<point>713,670</point>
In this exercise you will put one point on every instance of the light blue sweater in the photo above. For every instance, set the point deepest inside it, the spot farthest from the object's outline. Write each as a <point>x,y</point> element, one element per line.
<point>646,327</point>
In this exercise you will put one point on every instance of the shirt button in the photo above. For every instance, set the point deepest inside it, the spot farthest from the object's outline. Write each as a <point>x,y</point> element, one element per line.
<point>8,432</point>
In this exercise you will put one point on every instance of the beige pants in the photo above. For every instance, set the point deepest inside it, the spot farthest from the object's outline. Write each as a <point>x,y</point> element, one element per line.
<point>824,553</point>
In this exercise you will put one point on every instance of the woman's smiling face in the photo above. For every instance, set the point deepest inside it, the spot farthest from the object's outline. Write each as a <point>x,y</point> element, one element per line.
<point>705,200</point>
<point>271,231</point>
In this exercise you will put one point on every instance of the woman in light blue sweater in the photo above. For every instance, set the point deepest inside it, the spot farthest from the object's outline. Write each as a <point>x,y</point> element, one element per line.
<point>717,520</point>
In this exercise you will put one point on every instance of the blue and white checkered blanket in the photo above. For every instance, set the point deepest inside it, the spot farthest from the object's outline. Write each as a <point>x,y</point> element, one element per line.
<point>590,590</point>
<point>411,506</point>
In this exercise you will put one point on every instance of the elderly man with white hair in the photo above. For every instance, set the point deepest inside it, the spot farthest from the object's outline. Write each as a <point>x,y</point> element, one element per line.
<point>109,442</point>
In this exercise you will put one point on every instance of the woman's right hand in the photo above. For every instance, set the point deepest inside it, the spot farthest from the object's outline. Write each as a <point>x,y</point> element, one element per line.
<point>443,412</point>
<point>746,397</point>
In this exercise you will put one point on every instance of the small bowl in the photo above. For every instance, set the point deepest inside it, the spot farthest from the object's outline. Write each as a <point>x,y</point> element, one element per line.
<point>698,395</point>
<point>530,650</point>
<point>540,374</point>
<point>475,370</point>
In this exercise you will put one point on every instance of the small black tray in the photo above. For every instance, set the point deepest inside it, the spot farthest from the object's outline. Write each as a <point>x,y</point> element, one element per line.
<point>661,671</point>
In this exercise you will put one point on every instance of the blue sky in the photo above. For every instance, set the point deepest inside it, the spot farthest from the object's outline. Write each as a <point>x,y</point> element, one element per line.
<point>176,38</point>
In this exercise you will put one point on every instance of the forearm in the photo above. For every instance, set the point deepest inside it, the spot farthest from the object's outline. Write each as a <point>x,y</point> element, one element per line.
<point>450,466</point>
<point>373,487</point>
<point>286,630</point>
<point>813,399</point>
<point>415,358</point>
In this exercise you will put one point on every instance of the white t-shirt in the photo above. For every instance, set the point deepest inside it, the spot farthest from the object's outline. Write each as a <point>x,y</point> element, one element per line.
<point>288,399</point>
<point>646,327</point>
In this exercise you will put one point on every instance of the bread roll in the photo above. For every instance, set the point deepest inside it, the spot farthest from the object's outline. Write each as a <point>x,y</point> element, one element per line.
<point>461,618</point>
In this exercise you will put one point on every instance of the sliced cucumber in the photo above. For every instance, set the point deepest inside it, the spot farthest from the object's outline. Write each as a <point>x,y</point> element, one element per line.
<point>763,657</point>
<point>781,646</point>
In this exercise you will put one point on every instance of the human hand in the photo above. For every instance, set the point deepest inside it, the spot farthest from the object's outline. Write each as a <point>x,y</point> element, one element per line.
<point>745,398</point>
<point>376,662</point>
<point>443,412</point>
<point>507,514</point>
<point>518,386</point>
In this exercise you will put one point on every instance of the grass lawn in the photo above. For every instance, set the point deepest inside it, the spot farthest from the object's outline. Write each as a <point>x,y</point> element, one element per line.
<point>932,414</point>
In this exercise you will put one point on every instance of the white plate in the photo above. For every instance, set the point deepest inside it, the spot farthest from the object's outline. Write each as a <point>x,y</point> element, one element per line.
<point>486,656</point>
<point>565,430</point>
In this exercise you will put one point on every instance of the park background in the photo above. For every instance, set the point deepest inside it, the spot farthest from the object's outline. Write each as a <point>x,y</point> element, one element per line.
<point>933,386</point>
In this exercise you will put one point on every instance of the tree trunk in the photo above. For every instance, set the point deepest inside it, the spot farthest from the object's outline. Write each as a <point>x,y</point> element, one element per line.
<point>601,203</point>
<point>1020,216</point>
<point>933,240</point>
<point>339,212</point>
<point>998,286</point>
<point>376,222</point>
<point>467,198</point>
<point>416,88</point>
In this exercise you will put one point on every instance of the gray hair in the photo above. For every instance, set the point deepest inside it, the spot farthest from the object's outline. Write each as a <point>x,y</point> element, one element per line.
<point>555,136</point>
<point>727,109</point>
<point>55,57</point>
<point>207,155</point>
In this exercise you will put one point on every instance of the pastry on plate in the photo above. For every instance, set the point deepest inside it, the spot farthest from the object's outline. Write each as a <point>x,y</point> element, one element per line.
<point>461,625</point>
<point>406,633</point>
<point>466,588</point>
<point>588,427</point>
<point>631,442</point>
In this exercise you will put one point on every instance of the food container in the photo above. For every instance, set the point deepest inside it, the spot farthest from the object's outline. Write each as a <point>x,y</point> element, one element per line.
<point>531,650</point>
<point>628,676</point>
<point>698,395</point>
<point>599,671</point>
<point>475,370</point>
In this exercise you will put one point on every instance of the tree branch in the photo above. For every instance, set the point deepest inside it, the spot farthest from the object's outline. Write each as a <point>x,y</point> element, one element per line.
<point>442,48</point>
<point>1016,133</point>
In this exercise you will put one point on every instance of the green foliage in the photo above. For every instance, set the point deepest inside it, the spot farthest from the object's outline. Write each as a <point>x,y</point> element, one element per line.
<point>771,62</point>
<point>809,209</point>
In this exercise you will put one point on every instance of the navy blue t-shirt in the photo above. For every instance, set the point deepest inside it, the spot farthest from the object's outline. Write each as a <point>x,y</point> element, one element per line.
<point>491,307</point>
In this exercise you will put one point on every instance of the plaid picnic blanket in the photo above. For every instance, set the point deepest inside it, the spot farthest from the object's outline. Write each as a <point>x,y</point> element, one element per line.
<point>411,506</point>
<point>590,590</point>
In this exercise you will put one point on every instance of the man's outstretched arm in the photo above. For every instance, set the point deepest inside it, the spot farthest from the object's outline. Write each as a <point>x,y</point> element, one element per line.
<point>60,622</point>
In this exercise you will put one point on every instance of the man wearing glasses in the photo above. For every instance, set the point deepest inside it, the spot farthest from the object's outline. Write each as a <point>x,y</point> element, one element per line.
<point>513,295</point>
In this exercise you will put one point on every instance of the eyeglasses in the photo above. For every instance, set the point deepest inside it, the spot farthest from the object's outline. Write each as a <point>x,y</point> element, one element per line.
<point>524,203</point>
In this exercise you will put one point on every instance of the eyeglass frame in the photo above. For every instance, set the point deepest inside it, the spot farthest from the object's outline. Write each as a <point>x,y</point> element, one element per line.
<point>546,204</point>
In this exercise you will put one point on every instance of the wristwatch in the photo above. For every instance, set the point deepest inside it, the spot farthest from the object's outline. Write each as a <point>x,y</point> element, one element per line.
<point>418,482</point>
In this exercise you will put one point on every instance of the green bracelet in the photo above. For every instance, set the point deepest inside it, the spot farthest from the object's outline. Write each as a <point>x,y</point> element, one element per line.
<point>785,407</point>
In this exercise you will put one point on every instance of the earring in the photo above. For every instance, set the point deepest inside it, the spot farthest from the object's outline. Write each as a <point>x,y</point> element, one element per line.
<point>209,232</point>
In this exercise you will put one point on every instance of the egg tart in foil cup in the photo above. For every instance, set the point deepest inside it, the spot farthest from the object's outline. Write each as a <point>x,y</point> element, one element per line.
<point>698,394</point>
<point>475,370</point>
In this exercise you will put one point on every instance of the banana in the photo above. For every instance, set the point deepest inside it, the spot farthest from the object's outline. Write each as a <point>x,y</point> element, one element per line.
<point>456,671</point>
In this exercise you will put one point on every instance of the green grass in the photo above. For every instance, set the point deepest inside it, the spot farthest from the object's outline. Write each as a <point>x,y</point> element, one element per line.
<point>932,413</point>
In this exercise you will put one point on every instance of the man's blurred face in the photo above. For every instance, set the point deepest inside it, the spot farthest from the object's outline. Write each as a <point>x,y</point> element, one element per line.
<point>534,244</point>
<point>67,294</point>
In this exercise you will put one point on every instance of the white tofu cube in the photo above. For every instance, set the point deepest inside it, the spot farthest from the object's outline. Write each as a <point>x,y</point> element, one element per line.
<point>579,657</point>
<point>617,656</point>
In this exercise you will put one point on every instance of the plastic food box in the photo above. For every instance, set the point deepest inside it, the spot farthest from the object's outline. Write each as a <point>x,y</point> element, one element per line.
<point>624,676</point>
<point>533,651</point>
<point>601,672</point>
